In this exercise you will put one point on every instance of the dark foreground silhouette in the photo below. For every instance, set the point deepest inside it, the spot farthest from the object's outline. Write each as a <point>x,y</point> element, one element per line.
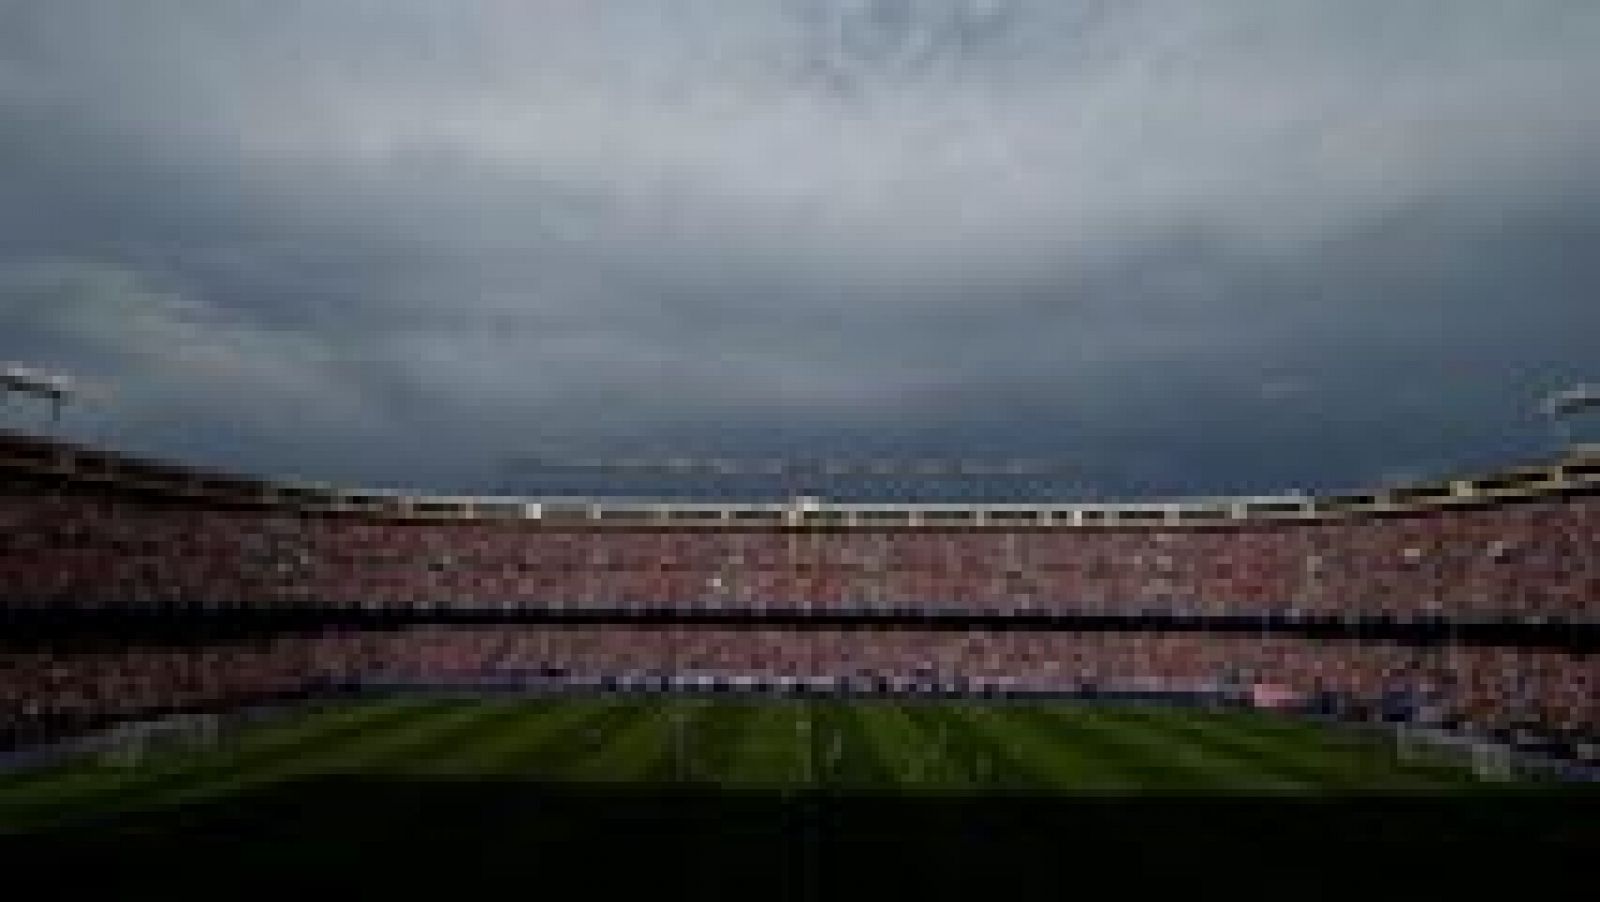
<point>667,842</point>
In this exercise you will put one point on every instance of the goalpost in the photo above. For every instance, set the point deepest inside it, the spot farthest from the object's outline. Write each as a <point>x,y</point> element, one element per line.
<point>131,744</point>
<point>1492,762</point>
<point>1408,744</point>
<point>1489,761</point>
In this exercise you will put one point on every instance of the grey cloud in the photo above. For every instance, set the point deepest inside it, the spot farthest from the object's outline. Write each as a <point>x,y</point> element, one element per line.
<point>1194,245</point>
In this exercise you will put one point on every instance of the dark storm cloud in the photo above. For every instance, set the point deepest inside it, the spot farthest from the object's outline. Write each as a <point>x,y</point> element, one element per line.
<point>1196,247</point>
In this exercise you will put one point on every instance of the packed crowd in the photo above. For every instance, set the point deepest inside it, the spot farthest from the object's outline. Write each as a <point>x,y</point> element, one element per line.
<point>54,690</point>
<point>1519,560</point>
<point>1545,693</point>
<point>1490,687</point>
<point>1533,559</point>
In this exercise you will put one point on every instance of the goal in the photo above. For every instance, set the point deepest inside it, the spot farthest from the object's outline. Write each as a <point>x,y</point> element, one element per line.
<point>132,744</point>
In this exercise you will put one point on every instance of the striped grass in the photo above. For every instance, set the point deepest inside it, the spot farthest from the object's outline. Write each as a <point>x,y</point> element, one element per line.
<point>871,746</point>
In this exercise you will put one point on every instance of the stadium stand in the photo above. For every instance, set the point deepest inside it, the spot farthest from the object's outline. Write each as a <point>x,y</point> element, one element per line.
<point>1533,559</point>
<point>91,534</point>
<point>1531,695</point>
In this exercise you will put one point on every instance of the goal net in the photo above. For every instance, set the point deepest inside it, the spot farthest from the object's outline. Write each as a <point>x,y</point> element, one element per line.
<point>1489,761</point>
<point>133,744</point>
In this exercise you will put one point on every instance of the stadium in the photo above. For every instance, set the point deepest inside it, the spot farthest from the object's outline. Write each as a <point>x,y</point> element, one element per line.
<point>186,641</point>
<point>733,447</point>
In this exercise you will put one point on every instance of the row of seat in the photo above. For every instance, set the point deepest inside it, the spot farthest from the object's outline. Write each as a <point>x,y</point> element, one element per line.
<point>1543,692</point>
<point>1523,560</point>
<point>47,692</point>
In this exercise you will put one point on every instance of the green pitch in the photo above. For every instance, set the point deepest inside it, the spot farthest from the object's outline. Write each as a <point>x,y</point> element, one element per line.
<point>756,781</point>
<point>906,748</point>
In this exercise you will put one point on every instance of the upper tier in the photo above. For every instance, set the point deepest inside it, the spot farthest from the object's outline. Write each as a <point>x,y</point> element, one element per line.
<point>78,528</point>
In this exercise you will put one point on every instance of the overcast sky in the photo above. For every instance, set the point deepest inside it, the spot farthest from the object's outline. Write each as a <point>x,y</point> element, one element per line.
<point>1239,245</point>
